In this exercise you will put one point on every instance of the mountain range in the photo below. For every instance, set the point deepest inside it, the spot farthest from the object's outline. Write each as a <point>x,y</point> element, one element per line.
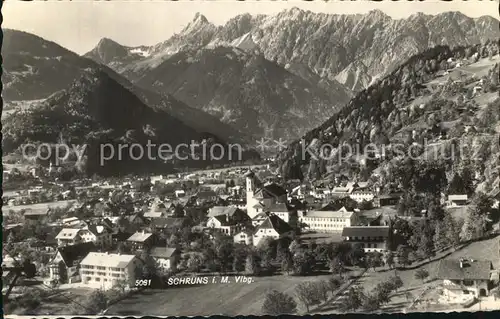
<point>334,53</point>
<point>275,76</point>
<point>334,46</point>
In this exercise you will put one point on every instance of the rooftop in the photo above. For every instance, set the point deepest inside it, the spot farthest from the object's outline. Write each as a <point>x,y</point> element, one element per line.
<point>72,253</point>
<point>471,269</point>
<point>276,223</point>
<point>107,260</point>
<point>457,197</point>
<point>366,231</point>
<point>68,233</point>
<point>140,237</point>
<point>162,252</point>
<point>223,210</point>
<point>341,213</point>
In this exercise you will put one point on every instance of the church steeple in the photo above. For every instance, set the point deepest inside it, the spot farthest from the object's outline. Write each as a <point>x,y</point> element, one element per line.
<point>251,181</point>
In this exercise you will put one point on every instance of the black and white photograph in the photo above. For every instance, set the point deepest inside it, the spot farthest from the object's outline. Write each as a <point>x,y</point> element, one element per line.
<point>199,158</point>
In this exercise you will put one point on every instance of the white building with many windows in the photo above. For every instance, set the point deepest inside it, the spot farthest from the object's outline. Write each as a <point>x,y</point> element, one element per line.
<point>328,221</point>
<point>104,270</point>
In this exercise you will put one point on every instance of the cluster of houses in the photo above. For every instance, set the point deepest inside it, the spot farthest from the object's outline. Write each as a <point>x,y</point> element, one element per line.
<point>269,213</point>
<point>259,210</point>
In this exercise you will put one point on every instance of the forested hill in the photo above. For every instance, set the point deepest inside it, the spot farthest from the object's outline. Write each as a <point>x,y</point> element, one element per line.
<point>412,99</point>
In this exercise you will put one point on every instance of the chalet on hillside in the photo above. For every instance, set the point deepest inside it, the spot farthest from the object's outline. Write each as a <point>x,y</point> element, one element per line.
<point>464,278</point>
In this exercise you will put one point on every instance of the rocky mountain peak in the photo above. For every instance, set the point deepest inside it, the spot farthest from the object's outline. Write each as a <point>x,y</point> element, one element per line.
<point>198,17</point>
<point>199,22</point>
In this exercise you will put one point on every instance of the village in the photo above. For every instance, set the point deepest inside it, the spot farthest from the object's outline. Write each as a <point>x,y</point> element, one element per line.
<point>125,236</point>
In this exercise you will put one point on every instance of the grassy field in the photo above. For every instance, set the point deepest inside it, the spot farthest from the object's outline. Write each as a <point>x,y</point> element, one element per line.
<point>246,299</point>
<point>41,207</point>
<point>229,299</point>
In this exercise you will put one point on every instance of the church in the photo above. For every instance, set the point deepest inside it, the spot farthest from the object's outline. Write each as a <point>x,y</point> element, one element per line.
<point>262,197</point>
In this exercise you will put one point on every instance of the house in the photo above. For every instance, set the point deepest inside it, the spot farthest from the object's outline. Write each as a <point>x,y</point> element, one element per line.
<point>142,240</point>
<point>233,213</point>
<point>157,210</point>
<point>36,214</point>
<point>72,222</point>
<point>244,237</point>
<point>386,199</point>
<point>136,221</point>
<point>298,192</point>
<point>180,193</point>
<point>457,200</point>
<point>105,270</point>
<point>343,191</point>
<point>166,223</point>
<point>328,221</point>
<point>224,224</point>
<point>68,237</point>
<point>372,238</point>
<point>260,218</point>
<point>166,258</point>
<point>362,195</point>
<point>273,227</point>
<point>464,278</point>
<point>98,234</point>
<point>280,210</point>
<point>64,267</point>
<point>205,196</point>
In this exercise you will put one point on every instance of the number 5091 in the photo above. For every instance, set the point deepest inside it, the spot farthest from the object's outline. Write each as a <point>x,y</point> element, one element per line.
<point>143,282</point>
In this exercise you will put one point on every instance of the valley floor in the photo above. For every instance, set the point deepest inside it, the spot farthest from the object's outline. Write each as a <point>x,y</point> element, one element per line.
<point>246,299</point>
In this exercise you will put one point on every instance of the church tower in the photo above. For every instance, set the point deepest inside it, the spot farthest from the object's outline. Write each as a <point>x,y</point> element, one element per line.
<point>250,188</point>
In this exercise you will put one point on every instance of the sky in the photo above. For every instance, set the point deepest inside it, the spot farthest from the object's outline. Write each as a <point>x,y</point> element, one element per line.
<point>80,24</point>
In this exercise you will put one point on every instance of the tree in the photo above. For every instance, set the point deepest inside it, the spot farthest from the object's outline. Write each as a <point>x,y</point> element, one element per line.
<point>357,255</point>
<point>353,300</point>
<point>402,253</point>
<point>287,263</point>
<point>389,259</point>
<point>440,240</point>
<point>334,283</point>
<point>396,282</point>
<point>321,288</point>
<point>224,253</point>
<point>305,293</point>
<point>452,230</point>
<point>382,291</point>
<point>277,303</point>
<point>302,264</point>
<point>149,268</point>
<point>421,274</point>
<point>374,260</point>
<point>96,302</point>
<point>195,263</point>
<point>239,258</point>
<point>336,266</point>
<point>371,303</point>
<point>251,265</point>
